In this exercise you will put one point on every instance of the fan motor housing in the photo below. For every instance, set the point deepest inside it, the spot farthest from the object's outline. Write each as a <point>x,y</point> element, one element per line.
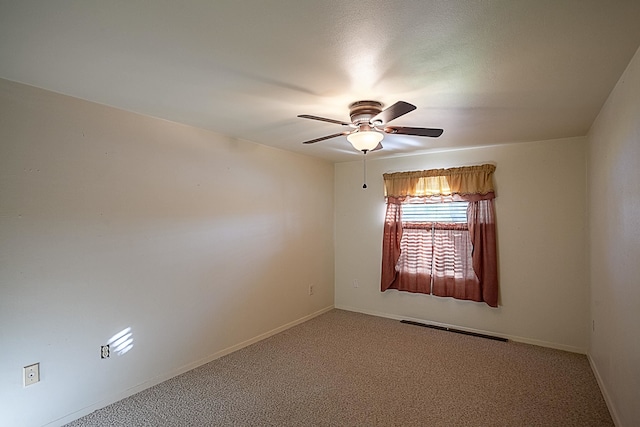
<point>361,112</point>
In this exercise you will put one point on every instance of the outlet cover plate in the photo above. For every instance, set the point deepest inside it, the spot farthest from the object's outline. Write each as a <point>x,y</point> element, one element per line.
<point>31,374</point>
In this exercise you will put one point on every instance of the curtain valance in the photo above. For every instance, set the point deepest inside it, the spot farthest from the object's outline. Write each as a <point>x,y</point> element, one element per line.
<point>464,183</point>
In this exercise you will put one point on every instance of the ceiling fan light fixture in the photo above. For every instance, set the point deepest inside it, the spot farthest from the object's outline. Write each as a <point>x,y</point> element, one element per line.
<point>365,140</point>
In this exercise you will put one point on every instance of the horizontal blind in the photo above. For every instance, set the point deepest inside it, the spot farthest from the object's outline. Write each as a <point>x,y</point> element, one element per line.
<point>452,212</point>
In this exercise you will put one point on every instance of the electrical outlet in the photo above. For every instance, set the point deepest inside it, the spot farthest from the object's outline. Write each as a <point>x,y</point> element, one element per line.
<point>104,351</point>
<point>310,289</point>
<point>356,284</point>
<point>31,374</point>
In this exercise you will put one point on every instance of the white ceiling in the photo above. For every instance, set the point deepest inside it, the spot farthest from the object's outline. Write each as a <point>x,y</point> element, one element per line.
<point>488,72</point>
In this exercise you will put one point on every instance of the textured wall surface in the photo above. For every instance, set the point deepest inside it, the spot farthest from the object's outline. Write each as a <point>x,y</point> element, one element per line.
<point>614,208</point>
<point>541,226</point>
<point>111,220</point>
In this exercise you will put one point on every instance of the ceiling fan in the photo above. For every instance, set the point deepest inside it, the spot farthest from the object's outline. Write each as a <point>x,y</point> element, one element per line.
<point>369,124</point>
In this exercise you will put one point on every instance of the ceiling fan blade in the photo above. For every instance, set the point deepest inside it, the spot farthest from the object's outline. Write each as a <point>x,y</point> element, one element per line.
<point>401,130</point>
<point>378,147</point>
<point>324,119</point>
<point>311,141</point>
<point>398,109</point>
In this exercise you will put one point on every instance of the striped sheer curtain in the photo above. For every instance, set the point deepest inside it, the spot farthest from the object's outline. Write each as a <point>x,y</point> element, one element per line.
<point>453,273</point>
<point>445,259</point>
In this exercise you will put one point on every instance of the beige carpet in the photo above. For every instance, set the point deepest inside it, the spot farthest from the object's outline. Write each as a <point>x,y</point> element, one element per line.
<point>350,369</point>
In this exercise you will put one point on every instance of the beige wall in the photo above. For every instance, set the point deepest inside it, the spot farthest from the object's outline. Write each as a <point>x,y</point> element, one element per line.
<point>109,219</point>
<point>614,224</point>
<point>541,219</point>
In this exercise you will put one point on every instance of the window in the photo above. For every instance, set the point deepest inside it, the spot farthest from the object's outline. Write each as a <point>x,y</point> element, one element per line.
<point>435,249</point>
<point>439,233</point>
<point>454,212</point>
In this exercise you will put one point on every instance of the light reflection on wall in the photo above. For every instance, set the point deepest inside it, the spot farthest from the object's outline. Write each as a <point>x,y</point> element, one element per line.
<point>121,342</point>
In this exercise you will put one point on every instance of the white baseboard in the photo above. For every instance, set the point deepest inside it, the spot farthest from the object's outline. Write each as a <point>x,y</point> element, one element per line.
<point>524,340</point>
<point>157,380</point>
<point>603,390</point>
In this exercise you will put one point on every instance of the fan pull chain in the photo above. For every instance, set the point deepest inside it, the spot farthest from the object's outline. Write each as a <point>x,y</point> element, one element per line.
<point>364,161</point>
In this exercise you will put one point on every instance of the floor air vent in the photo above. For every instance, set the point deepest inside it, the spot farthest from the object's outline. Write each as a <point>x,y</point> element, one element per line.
<point>457,331</point>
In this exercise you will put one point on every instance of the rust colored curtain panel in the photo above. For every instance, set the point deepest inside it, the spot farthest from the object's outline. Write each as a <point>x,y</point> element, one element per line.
<point>391,242</point>
<point>482,231</point>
